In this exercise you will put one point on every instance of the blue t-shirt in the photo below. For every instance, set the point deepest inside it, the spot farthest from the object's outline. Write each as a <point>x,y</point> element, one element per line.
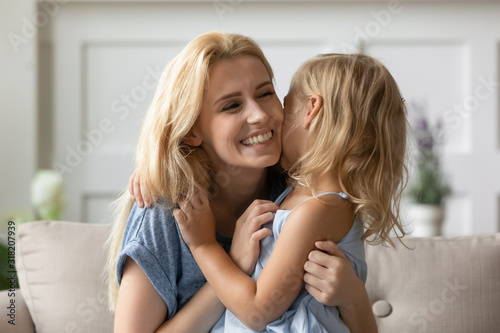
<point>153,240</point>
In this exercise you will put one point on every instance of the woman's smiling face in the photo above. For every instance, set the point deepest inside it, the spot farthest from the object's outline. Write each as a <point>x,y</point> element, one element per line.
<point>241,116</point>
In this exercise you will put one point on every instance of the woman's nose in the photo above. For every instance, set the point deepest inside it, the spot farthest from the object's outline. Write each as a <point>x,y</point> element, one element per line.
<point>256,113</point>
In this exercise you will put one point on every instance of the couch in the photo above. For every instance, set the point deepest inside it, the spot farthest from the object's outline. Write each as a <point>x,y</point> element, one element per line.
<point>438,285</point>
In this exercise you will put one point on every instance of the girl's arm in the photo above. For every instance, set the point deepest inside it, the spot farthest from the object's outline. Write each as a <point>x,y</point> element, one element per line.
<point>140,308</point>
<point>331,280</point>
<point>256,303</point>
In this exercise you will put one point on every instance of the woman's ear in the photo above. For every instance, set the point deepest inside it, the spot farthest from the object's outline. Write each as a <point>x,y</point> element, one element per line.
<point>313,105</point>
<point>193,138</point>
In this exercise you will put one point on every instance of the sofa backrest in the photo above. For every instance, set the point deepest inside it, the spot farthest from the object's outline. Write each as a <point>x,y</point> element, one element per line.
<point>440,285</point>
<point>60,270</point>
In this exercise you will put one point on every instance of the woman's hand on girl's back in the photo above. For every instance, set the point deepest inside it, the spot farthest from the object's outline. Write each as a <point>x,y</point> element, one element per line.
<point>330,277</point>
<point>331,280</point>
<point>249,230</point>
<point>140,193</point>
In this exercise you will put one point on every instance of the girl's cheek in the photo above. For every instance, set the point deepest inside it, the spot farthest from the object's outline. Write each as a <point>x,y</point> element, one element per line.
<point>278,116</point>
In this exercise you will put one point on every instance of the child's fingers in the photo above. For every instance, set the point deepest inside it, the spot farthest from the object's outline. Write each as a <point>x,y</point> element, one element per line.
<point>152,197</point>
<point>261,234</point>
<point>186,207</point>
<point>330,248</point>
<point>179,215</point>
<point>146,196</point>
<point>262,209</point>
<point>258,221</point>
<point>258,207</point>
<point>200,200</point>
<point>136,184</point>
<point>131,185</point>
<point>249,210</point>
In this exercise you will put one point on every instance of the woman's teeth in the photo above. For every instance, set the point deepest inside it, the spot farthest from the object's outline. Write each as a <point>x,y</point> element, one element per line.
<point>258,139</point>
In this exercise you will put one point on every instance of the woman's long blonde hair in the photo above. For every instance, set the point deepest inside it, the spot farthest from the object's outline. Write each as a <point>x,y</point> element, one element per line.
<point>166,165</point>
<point>359,134</point>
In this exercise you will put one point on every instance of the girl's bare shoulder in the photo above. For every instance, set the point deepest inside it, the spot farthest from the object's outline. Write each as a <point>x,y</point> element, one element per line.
<point>330,214</point>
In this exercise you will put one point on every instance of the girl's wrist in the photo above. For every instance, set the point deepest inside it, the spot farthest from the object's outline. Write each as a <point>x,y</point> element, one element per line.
<point>205,249</point>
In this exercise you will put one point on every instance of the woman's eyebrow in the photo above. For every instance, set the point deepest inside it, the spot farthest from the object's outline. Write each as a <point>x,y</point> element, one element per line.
<point>263,84</point>
<point>235,94</point>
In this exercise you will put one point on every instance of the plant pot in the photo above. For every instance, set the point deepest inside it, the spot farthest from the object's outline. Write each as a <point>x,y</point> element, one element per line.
<point>427,220</point>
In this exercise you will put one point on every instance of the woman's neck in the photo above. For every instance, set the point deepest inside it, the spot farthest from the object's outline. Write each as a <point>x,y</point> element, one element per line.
<point>233,192</point>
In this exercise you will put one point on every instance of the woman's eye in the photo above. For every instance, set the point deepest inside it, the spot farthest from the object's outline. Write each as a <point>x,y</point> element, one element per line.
<point>267,93</point>
<point>230,107</point>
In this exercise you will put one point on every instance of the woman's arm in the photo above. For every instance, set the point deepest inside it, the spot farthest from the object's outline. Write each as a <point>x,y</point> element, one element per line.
<point>258,303</point>
<point>331,280</point>
<point>199,315</point>
<point>140,308</point>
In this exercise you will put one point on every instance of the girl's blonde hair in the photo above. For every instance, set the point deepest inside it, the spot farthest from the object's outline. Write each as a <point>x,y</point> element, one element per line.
<point>166,165</point>
<point>359,134</point>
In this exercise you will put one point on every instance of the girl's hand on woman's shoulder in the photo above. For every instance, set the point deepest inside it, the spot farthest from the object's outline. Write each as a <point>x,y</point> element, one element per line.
<point>196,221</point>
<point>249,230</point>
<point>330,277</point>
<point>139,192</point>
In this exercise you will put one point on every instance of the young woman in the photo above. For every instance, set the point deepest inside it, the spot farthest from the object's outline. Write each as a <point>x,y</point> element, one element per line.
<point>161,288</point>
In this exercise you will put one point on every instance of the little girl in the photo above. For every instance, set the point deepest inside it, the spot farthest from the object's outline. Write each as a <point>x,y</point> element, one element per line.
<point>344,143</point>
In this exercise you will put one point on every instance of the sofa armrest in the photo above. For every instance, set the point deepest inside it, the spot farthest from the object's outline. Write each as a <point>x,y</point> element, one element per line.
<point>18,318</point>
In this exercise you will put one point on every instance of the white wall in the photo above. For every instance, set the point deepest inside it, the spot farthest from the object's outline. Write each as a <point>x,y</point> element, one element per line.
<point>93,56</point>
<point>18,103</point>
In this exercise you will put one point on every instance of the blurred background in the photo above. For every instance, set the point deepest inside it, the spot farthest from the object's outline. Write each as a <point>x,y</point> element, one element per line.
<point>77,78</point>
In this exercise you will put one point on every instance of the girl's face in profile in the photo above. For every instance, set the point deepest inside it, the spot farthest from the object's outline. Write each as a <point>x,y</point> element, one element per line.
<point>241,116</point>
<point>293,134</point>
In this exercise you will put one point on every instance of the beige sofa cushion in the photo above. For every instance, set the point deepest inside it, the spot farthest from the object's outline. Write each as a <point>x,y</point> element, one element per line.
<point>59,265</point>
<point>442,285</point>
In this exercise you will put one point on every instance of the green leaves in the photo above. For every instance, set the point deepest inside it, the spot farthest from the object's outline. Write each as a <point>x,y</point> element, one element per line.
<point>430,185</point>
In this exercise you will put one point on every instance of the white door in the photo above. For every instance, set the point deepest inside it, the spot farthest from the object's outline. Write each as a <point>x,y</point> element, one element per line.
<point>102,60</point>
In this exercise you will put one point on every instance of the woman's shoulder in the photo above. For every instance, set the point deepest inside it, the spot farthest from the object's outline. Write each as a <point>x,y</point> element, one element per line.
<point>150,223</point>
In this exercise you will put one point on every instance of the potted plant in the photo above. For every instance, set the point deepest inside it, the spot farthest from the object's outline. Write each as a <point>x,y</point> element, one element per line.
<point>429,187</point>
